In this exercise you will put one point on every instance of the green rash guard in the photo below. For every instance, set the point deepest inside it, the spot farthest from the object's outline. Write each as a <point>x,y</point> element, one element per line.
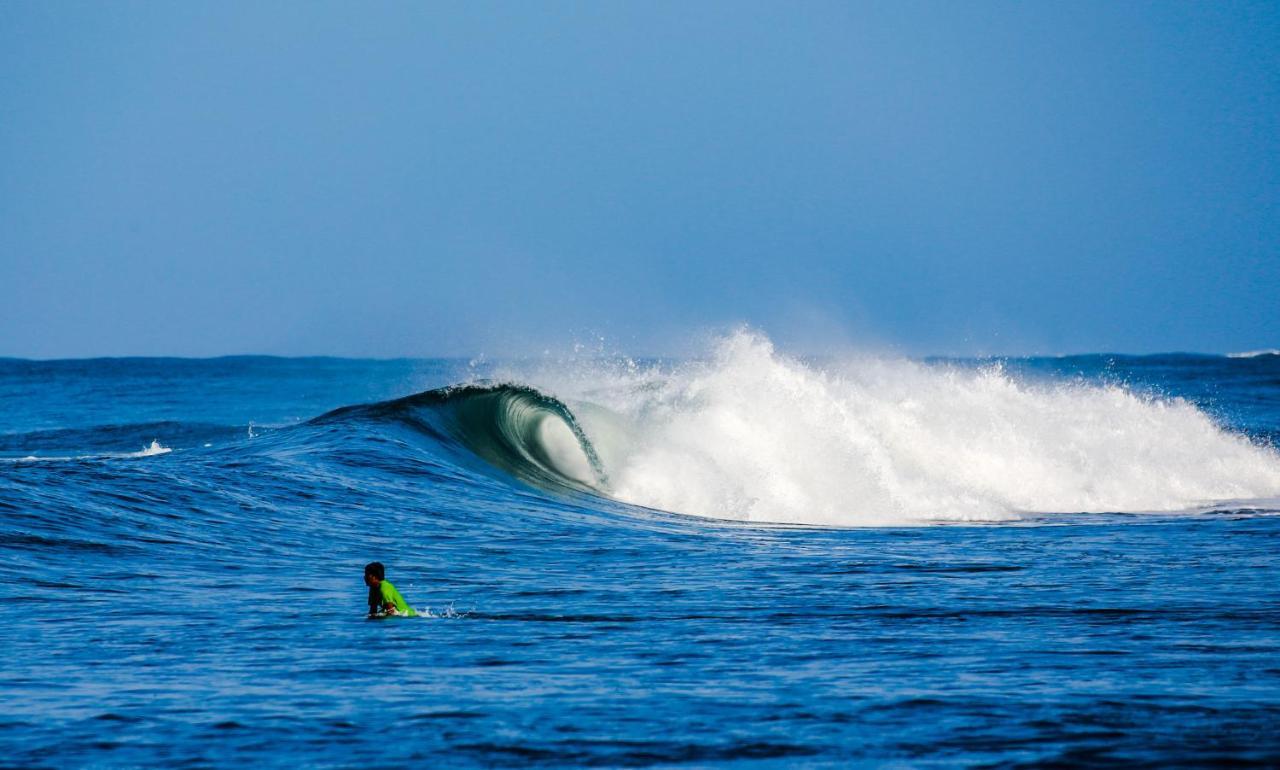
<point>391,596</point>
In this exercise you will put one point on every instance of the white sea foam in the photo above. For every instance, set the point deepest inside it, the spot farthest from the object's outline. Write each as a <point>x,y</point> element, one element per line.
<point>445,612</point>
<point>755,435</point>
<point>1255,353</point>
<point>151,450</point>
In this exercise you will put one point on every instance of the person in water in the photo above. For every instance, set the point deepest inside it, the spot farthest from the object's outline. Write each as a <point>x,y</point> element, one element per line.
<point>384,599</point>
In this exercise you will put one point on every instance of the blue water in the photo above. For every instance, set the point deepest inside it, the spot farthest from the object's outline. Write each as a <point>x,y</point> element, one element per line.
<point>205,606</point>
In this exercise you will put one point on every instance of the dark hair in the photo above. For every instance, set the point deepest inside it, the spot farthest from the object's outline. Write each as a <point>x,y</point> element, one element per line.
<point>376,569</point>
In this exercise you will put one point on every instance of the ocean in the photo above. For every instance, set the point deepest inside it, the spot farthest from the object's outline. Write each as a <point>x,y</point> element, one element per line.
<point>744,558</point>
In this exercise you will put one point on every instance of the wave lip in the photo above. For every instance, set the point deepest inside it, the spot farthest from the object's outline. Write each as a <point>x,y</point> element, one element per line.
<point>516,429</point>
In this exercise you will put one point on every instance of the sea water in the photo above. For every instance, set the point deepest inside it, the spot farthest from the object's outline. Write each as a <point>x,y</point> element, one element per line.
<point>741,558</point>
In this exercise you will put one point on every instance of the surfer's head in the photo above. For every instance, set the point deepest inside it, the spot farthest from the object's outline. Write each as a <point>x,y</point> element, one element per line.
<point>374,573</point>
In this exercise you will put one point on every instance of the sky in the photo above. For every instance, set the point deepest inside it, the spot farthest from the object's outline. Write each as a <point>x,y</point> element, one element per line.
<point>422,179</point>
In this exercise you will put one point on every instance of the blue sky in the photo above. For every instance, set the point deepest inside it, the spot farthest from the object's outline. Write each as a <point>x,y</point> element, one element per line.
<point>419,179</point>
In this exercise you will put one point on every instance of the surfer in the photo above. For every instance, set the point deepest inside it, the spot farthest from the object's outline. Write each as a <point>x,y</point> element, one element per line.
<point>384,599</point>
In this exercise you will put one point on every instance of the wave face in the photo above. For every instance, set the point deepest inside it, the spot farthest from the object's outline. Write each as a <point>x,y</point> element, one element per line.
<point>517,430</point>
<point>750,434</point>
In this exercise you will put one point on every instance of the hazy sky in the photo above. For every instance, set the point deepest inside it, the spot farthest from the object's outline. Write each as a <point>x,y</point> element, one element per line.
<point>411,178</point>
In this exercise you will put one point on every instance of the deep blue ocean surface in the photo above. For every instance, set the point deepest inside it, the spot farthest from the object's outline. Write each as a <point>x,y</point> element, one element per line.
<point>745,559</point>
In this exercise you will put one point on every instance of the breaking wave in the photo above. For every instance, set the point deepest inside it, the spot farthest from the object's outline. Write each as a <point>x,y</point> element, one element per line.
<point>751,434</point>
